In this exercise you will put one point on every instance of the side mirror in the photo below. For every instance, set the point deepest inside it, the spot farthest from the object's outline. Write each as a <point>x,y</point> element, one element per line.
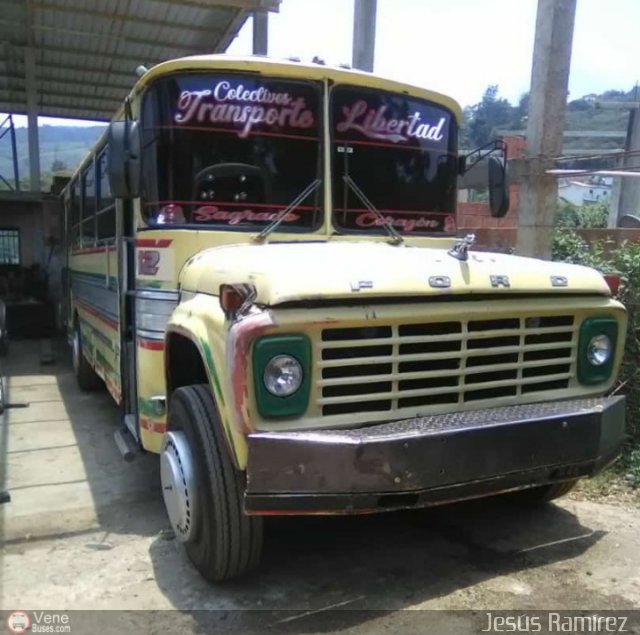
<point>498,187</point>
<point>124,146</point>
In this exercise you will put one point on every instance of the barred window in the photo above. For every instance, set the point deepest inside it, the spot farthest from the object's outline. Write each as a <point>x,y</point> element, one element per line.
<point>9,246</point>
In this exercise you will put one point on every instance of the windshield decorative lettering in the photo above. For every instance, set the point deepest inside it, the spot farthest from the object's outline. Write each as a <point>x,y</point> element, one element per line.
<point>378,123</point>
<point>232,151</point>
<point>245,108</point>
<point>399,152</point>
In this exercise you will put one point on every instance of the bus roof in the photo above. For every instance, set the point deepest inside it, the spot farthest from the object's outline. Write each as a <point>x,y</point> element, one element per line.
<point>271,66</point>
<point>297,70</point>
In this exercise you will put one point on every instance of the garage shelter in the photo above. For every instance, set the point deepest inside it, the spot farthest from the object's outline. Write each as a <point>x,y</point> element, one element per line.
<point>78,58</point>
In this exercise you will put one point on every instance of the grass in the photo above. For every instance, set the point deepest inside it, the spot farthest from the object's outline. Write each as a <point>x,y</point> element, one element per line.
<point>619,484</point>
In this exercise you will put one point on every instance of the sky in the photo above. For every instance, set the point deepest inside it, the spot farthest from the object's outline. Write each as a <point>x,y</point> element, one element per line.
<point>459,47</point>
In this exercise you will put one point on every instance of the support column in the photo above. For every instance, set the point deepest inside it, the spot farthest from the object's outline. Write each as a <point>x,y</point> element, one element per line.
<point>260,32</point>
<point>547,101</point>
<point>14,154</point>
<point>32,119</point>
<point>628,201</point>
<point>364,34</point>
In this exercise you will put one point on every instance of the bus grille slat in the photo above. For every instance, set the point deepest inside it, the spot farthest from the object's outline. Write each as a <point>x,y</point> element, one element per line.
<point>394,366</point>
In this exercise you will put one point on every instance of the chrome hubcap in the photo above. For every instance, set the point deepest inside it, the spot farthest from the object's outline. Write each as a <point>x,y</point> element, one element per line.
<point>178,484</point>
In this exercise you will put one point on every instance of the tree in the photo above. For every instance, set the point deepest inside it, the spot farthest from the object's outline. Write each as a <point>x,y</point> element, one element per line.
<point>486,117</point>
<point>59,166</point>
<point>520,113</point>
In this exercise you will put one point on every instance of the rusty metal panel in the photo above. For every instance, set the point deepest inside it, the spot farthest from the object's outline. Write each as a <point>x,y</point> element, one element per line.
<point>436,451</point>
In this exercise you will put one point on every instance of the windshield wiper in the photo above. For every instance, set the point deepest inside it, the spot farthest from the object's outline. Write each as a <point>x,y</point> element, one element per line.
<point>396,237</point>
<point>282,214</point>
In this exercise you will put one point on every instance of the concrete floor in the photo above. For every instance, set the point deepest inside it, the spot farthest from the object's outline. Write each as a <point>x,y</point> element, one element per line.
<point>62,467</point>
<point>86,530</point>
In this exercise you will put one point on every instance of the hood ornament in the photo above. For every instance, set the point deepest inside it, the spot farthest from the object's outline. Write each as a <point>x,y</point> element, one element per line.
<point>460,250</point>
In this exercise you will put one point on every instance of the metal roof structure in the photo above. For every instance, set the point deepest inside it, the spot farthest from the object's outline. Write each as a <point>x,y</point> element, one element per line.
<point>78,58</point>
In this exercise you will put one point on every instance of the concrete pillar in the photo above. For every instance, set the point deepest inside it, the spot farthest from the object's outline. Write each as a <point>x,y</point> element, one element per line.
<point>32,119</point>
<point>628,201</point>
<point>260,32</point>
<point>547,101</point>
<point>364,34</point>
<point>614,210</point>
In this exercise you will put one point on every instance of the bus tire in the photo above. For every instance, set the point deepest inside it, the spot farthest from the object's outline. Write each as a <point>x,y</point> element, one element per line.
<point>541,494</point>
<point>206,513</point>
<point>85,375</point>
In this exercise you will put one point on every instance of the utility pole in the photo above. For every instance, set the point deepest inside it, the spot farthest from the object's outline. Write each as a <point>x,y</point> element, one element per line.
<point>32,104</point>
<point>364,34</point>
<point>547,101</point>
<point>625,197</point>
<point>260,32</point>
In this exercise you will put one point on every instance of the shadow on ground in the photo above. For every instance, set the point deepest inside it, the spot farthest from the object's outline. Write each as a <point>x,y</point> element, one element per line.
<point>58,456</point>
<point>364,564</point>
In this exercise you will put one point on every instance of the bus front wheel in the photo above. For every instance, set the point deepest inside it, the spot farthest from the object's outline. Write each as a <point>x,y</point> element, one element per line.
<point>203,491</point>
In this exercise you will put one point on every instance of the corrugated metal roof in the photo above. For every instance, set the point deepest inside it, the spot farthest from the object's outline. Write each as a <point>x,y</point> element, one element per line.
<point>86,51</point>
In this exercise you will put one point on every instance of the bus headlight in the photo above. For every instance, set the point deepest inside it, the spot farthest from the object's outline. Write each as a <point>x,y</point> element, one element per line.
<point>596,350</point>
<point>283,375</point>
<point>599,350</point>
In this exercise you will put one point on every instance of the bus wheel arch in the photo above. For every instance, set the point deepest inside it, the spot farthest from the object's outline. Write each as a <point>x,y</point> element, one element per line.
<point>184,365</point>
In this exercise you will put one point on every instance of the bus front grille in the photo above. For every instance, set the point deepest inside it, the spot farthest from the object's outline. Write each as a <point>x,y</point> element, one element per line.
<point>389,367</point>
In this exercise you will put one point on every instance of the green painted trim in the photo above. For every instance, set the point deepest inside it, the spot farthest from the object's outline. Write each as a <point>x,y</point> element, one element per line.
<point>587,373</point>
<point>211,367</point>
<point>205,353</point>
<point>102,360</point>
<point>151,284</point>
<point>113,280</point>
<point>213,374</point>
<point>148,408</point>
<point>265,349</point>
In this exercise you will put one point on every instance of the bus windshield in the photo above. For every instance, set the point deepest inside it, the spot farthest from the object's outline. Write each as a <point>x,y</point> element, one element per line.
<point>399,151</point>
<point>231,151</point>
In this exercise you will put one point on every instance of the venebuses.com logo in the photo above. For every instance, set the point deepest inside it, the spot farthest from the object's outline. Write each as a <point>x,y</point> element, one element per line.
<point>38,622</point>
<point>18,622</point>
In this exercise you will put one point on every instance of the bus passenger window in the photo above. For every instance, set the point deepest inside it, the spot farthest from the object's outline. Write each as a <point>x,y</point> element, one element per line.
<point>88,206</point>
<point>88,193</point>
<point>74,214</point>
<point>106,218</point>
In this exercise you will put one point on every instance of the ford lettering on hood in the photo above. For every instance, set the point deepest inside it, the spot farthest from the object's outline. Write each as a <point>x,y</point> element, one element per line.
<point>303,272</point>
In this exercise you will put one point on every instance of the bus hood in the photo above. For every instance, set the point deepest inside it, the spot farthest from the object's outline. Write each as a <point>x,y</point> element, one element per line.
<point>288,272</point>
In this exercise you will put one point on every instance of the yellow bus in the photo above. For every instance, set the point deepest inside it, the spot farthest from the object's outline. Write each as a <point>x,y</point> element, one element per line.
<point>266,274</point>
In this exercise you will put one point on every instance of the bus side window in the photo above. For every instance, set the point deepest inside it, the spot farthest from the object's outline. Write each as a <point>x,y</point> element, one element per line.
<point>89,206</point>
<point>74,216</point>
<point>105,204</point>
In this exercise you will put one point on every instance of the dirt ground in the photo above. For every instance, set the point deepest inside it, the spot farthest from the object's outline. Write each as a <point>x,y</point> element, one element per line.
<point>102,548</point>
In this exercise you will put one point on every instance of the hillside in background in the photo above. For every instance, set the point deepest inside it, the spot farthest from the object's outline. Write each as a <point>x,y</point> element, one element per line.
<point>61,148</point>
<point>493,113</point>
<point>584,114</point>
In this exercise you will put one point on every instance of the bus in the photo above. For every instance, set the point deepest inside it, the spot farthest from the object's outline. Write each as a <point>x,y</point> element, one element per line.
<point>265,271</point>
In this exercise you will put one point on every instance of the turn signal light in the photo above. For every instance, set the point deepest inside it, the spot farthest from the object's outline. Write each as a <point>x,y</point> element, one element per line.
<point>230,298</point>
<point>613,280</point>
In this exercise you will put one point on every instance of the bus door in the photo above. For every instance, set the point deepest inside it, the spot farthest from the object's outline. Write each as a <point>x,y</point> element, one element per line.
<point>127,283</point>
